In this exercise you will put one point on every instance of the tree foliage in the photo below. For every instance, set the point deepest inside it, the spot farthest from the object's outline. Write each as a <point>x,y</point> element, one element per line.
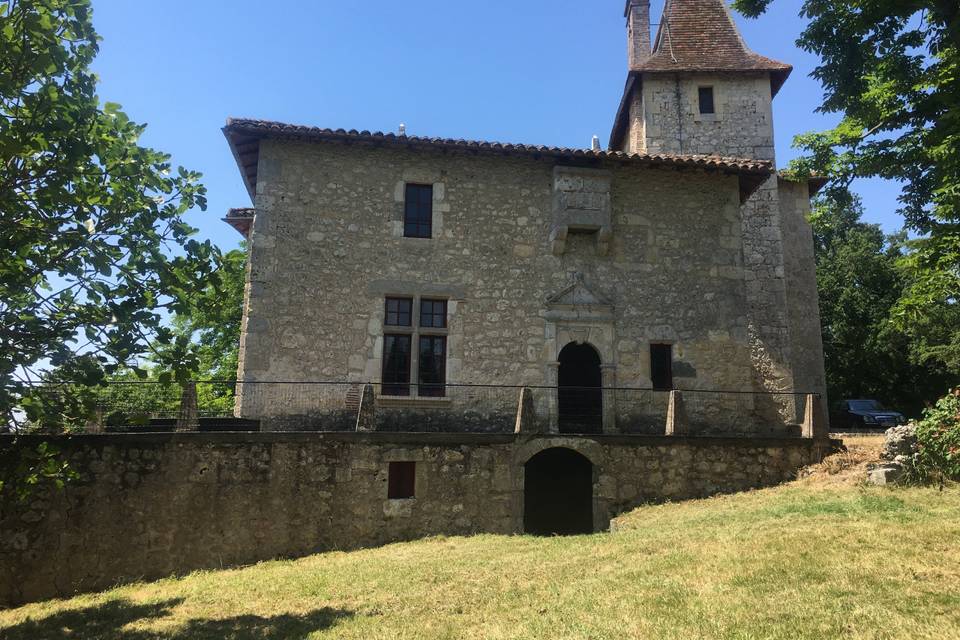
<point>860,279</point>
<point>94,250</point>
<point>892,69</point>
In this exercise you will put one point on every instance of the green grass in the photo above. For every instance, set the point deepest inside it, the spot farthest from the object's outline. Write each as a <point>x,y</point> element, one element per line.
<point>805,560</point>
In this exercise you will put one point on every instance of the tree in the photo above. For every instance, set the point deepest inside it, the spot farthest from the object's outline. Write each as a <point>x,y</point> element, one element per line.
<point>212,319</point>
<point>94,250</point>
<point>860,281</point>
<point>891,69</point>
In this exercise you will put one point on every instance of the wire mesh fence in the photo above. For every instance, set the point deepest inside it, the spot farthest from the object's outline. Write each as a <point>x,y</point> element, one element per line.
<point>334,406</point>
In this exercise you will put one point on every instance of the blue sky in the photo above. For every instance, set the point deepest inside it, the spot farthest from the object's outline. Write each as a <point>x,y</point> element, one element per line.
<point>534,71</point>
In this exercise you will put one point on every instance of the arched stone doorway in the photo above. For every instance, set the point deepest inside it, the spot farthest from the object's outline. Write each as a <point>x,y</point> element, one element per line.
<point>579,394</point>
<point>558,493</point>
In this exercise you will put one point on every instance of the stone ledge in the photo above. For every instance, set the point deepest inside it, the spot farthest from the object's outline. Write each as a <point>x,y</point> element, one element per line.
<point>294,437</point>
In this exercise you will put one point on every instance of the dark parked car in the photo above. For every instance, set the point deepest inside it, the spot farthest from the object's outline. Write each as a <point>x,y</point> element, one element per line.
<point>859,414</point>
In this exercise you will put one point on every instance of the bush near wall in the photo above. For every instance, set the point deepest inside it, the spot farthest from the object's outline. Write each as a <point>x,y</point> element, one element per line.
<point>938,441</point>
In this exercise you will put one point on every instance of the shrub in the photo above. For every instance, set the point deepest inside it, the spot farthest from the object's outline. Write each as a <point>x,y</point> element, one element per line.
<point>938,441</point>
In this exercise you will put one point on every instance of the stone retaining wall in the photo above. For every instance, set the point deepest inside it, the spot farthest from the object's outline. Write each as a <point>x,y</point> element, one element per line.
<point>151,505</point>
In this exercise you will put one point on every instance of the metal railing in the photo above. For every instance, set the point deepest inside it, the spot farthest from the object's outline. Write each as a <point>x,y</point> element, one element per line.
<point>335,406</point>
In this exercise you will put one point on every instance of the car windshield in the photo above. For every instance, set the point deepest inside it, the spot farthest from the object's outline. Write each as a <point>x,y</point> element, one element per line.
<point>866,405</point>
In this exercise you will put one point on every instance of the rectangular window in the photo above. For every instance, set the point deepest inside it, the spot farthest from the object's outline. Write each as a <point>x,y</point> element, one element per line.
<point>418,211</point>
<point>396,365</point>
<point>401,480</point>
<point>399,312</point>
<point>661,366</point>
<point>433,366</point>
<point>433,314</point>
<point>706,100</point>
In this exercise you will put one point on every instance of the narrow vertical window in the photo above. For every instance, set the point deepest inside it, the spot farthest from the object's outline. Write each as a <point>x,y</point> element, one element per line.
<point>661,366</point>
<point>418,211</point>
<point>396,365</point>
<point>432,376</point>
<point>706,100</point>
<point>402,480</point>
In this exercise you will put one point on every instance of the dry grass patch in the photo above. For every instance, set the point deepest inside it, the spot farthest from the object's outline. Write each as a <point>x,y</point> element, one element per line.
<point>823,557</point>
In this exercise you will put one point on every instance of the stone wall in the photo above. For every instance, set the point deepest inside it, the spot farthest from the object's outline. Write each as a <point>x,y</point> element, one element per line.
<point>327,247</point>
<point>783,315</point>
<point>152,505</point>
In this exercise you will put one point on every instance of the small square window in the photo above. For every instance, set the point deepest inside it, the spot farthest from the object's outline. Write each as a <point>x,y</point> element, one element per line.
<point>418,211</point>
<point>401,480</point>
<point>661,366</point>
<point>706,100</point>
<point>398,312</point>
<point>433,314</point>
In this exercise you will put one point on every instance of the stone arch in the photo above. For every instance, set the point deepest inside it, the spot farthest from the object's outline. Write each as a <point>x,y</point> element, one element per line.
<point>559,493</point>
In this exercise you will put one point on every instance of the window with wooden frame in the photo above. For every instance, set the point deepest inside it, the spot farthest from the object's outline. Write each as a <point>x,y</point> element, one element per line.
<point>661,366</point>
<point>415,340</point>
<point>418,211</point>
<point>402,480</point>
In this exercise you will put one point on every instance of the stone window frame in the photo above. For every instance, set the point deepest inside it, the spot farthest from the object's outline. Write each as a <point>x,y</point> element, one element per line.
<point>694,94</point>
<point>416,331</point>
<point>426,177</point>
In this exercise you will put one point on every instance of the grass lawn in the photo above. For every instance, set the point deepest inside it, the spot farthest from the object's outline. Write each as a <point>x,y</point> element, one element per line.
<point>823,557</point>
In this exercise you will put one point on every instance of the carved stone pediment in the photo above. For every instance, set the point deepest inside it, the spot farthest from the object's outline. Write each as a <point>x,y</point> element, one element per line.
<point>577,299</point>
<point>581,203</point>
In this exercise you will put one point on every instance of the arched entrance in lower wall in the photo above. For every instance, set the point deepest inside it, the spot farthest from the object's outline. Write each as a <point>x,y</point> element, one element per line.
<point>558,493</point>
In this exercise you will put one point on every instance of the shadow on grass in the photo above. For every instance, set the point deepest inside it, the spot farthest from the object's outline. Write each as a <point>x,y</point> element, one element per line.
<point>107,621</point>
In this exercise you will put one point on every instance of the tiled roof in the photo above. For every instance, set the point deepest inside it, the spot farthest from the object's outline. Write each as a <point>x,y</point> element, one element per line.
<point>700,35</point>
<point>244,136</point>
<point>241,219</point>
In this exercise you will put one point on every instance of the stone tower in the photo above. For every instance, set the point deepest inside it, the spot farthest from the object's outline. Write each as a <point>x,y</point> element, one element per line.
<point>700,90</point>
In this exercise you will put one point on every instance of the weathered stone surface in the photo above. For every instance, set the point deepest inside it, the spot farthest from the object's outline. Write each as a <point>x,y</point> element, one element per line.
<point>154,504</point>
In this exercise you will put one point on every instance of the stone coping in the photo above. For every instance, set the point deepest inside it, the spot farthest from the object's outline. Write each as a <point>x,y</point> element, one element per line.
<point>384,437</point>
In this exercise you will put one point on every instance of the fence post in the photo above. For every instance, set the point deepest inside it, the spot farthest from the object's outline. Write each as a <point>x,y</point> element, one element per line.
<point>95,423</point>
<point>814,422</point>
<point>526,417</point>
<point>367,412</point>
<point>187,418</point>
<point>677,424</point>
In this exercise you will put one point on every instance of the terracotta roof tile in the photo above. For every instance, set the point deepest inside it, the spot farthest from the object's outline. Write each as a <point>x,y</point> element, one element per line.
<point>700,35</point>
<point>244,136</point>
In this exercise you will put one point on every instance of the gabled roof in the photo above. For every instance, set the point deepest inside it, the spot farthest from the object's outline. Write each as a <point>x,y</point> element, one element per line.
<point>701,36</point>
<point>244,137</point>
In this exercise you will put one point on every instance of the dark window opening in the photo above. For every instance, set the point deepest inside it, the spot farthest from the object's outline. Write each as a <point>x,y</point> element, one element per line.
<point>396,365</point>
<point>401,480</point>
<point>433,314</point>
<point>661,366</point>
<point>706,100</point>
<point>433,366</point>
<point>399,312</point>
<point>418,211</point>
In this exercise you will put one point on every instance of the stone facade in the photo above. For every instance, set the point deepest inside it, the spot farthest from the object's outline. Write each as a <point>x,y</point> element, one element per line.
<point>152,505</point>
<point>664,263</point>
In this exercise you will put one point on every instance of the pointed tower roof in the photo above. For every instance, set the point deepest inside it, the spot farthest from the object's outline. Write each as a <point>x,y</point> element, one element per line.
<point>701,36</point>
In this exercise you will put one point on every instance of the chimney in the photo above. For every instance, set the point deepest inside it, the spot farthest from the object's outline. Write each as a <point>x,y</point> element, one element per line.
<point>638,32</point>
